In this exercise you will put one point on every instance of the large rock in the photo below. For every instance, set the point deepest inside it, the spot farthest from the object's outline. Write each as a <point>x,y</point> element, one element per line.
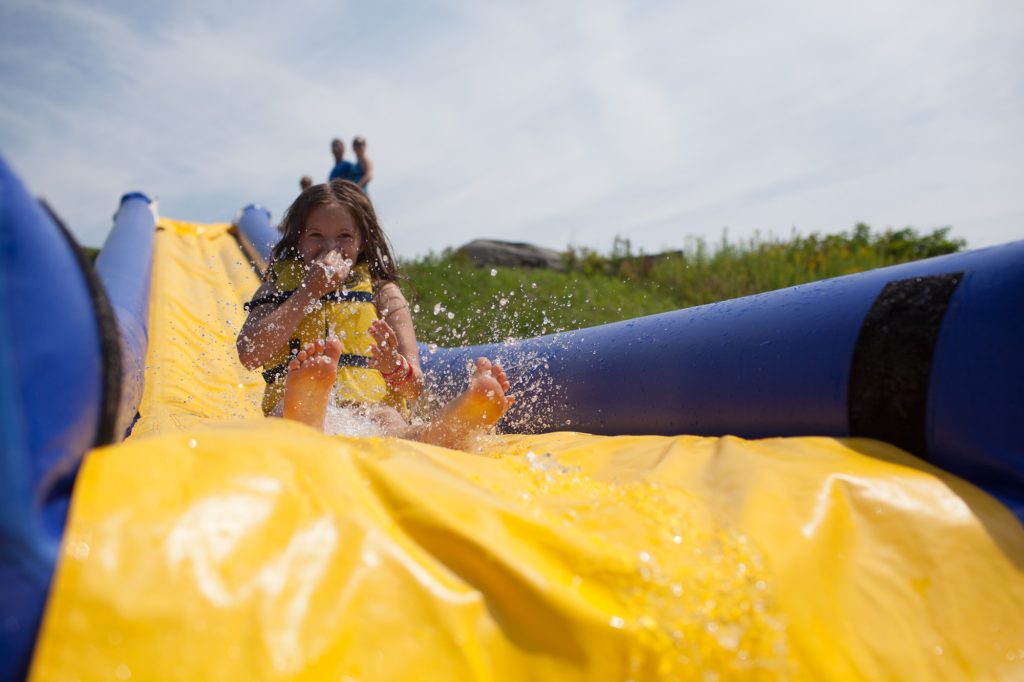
<point>512,254</point>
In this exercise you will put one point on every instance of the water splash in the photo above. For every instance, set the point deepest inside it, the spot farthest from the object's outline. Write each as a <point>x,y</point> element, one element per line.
<point>345,420</point>
<point>348,420</point>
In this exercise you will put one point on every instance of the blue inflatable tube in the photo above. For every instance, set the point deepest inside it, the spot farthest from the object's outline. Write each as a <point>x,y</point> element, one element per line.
<point>54,402</point>
<point>256,234</point>
<point>125,266</point>
<point>925,355</point>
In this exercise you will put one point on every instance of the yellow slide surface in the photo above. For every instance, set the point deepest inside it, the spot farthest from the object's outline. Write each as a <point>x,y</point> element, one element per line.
<point>218,545</point>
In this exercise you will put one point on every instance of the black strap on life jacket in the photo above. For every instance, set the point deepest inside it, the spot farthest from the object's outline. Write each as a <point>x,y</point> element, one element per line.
<point>330,297</point>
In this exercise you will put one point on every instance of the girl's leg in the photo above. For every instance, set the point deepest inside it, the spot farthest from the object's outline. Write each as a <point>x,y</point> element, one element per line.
<point>307,388</point>
<point>480,406</point>
<point>313,371</point>
<point>477,409</point>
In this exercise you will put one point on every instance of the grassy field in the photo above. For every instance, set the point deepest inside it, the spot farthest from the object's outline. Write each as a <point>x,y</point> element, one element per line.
<point>456,303</point>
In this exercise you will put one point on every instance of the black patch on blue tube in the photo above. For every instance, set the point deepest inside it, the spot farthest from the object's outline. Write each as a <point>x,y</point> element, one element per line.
<point>892,362</point>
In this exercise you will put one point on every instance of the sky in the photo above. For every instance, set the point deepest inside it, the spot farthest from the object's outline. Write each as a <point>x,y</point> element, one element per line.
<point>553,123</point>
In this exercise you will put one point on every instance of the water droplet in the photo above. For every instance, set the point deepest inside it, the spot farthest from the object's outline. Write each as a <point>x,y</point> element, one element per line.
<point>78,550</point>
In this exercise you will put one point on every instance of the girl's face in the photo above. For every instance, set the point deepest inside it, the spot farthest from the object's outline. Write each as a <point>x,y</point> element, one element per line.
<point>330,228</point>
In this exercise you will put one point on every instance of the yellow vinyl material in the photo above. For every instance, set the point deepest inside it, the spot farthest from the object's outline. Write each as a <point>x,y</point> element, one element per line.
<point>200,283</point>
<point>219,545</point>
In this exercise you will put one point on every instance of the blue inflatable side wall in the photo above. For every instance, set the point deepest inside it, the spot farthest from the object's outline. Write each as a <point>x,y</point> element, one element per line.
<point>925,355</point>
<point>50,405</point>
<point>256,234</point>
<point>124,266</point>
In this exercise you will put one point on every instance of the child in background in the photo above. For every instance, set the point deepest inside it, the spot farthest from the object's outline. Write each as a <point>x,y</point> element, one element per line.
<point>330,314</point>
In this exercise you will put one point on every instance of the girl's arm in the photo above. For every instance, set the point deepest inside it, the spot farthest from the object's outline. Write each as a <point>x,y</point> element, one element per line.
<point>269,327</point>
<point>394,311</point>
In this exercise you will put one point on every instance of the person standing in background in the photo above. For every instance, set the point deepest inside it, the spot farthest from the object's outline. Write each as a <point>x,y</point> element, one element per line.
<point>362,169</point>
<point>342,169</point>
<point>305,183</point>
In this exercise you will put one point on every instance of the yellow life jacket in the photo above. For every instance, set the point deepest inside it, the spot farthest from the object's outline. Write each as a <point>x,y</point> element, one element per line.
<point>345,313</point>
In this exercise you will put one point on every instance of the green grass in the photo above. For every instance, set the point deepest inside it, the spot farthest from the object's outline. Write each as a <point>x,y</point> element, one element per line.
<point>456,303</point>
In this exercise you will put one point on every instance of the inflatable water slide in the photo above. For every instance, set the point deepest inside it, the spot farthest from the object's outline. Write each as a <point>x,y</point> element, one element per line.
<point>819,483</point>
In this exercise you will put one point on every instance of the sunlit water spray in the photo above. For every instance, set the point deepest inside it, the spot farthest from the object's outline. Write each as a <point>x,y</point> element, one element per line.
<point>511,315</point>
<point>345,420</point>
<point>334,266</point>
<point>529,370</point>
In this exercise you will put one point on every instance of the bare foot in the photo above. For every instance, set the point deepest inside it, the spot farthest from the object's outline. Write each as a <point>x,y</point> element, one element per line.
<point>311,374</point>
<point>479,407</point>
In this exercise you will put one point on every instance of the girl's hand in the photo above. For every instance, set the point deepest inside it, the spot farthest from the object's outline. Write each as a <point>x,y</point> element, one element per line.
<point>327,273</point>
<point>386,357</point>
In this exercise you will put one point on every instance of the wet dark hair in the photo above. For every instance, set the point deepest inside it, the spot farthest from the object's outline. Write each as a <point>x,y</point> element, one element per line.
<point>376,251</point>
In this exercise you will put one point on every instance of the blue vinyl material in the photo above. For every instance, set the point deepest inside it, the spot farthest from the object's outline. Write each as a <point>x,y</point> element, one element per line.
<point>50,399</point>
<point>976,396</point>
<point>124,266</point>
<point>256,233</point>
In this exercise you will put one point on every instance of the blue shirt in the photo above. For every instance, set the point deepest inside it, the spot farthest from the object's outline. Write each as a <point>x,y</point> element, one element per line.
<point>342,170</point>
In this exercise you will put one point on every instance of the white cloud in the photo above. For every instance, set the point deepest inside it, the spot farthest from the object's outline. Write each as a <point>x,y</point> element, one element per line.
<point>535,121</point>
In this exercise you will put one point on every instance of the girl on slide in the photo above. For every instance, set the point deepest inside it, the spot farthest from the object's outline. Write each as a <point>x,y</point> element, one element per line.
<point>330,315</point>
